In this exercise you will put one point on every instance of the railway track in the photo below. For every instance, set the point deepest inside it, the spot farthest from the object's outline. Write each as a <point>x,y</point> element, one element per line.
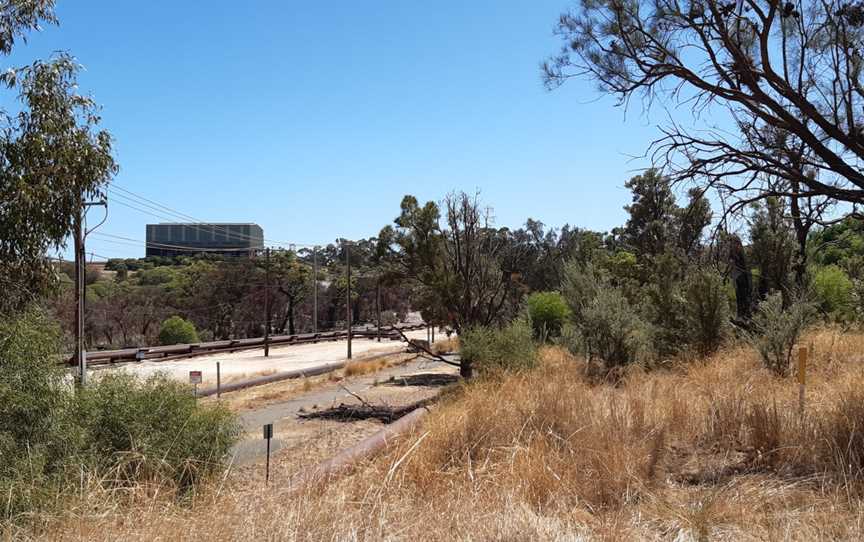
<point>179,351</point>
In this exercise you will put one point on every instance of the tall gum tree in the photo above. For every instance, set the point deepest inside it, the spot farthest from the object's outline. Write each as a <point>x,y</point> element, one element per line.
<point>52,154</point>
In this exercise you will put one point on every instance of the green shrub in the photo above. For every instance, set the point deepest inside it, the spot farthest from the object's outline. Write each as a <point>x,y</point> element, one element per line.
<point>581,284</point>
<point>50,437</point>
<point>36,436</point>
<point>154,428</point>
<point>858,299</point>
<point>548,312</point>
<point>612,330</point>
<point>156,276</point>
<point>508,348</point>
<point>605,324</point>
<point>834,291</point>
<point>776,330</point>
<point>176,330</point>
<point>664,307</point>
<point>707,310</point>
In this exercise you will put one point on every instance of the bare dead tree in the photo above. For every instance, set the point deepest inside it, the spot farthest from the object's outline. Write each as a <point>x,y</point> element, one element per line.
<point>457,268</point>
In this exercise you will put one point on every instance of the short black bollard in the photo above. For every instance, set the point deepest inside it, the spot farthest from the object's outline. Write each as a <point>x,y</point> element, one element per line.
<point>268,434</point>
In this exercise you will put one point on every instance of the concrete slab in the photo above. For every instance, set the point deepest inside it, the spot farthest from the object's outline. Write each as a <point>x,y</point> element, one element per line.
<point>250,363</point>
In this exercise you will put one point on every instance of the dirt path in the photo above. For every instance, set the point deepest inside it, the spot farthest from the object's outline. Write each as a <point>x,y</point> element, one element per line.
<point>314,439</point>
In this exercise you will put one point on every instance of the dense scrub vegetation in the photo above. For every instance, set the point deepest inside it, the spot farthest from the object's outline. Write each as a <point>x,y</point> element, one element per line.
<point>119,430</point>
<point>650,292</point>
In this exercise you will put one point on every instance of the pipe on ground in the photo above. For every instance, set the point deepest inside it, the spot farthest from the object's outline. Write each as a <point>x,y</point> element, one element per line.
<point>268,379</point>
<point>288,375</point>
<point>346,459</point>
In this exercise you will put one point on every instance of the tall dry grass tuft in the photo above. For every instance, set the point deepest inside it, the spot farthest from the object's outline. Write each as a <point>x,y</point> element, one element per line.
<point>842,432</point>
<point>362,367</point>
<point>549,438</point>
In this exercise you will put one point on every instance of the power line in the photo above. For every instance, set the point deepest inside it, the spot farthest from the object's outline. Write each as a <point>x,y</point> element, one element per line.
<point>209,229</point>
<point>142,200</point>
<point>152,244</point>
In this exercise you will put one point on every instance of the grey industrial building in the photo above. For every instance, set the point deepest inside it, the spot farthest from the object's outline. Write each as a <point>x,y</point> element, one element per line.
<point>189,239</point>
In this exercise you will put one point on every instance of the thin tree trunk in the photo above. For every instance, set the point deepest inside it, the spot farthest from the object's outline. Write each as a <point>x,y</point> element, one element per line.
<point>802,230</point>
<point>290,316</point>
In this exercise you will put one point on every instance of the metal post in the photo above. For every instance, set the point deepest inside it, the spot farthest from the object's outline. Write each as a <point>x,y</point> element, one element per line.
<point>267,305</point>
<point>315,290</point>
<point>433,334</point>
<point>378,308</point>
<point>268,434</point>
<point>218,381</point>
<point>348,296</point>
<point>80,281</point>
<point>267,475</point>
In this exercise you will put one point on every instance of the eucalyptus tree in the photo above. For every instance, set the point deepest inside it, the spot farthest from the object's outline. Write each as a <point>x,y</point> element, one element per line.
<point>454,261</point>
<point>52,154</point>
<point>293,280</point>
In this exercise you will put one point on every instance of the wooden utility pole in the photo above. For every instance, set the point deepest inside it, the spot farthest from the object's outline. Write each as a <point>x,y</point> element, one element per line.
<point>80,281</point>
<point>378,307</point>
<point>267,305</point>
<point>348,295</point>
<point>315,290</point>
<point>80,232</point>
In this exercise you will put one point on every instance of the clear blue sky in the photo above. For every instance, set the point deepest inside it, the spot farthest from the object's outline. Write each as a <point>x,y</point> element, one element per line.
<point>313,119</point>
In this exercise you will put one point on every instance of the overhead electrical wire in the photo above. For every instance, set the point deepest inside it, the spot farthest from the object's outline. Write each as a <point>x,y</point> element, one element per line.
<point>173,214</point>
<point>197,226</point>
<point>152,244</point>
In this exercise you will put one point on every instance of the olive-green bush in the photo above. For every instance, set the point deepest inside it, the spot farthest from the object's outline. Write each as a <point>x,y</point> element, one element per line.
<point>707,310</point>
<point>154,427</point>
<point>548,312</point>
<point>51,435</point>
<point>176,330</point>
<point>613,331</point>
<point>605,324</point>
<point>834,292</point>
<point>776,330</point>
<point>37,435</point>
<point>509,348</point>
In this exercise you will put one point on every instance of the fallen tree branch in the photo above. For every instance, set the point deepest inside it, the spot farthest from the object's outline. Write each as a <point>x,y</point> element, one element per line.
<point>364,401</point>
<point>383,413</point>
<point>418,346</point>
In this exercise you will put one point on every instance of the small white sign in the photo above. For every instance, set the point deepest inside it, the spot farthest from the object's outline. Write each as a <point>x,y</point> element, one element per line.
<point>195,377</point>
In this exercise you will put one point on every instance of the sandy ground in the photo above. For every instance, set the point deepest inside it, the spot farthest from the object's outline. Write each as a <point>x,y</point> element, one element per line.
<point>238,365</point>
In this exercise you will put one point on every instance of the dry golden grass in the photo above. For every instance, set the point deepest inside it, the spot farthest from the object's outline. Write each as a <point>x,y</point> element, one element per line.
<point>446,345</point>
<point>362,367</point>
<point>710,450</point>
<point>283,390</point>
